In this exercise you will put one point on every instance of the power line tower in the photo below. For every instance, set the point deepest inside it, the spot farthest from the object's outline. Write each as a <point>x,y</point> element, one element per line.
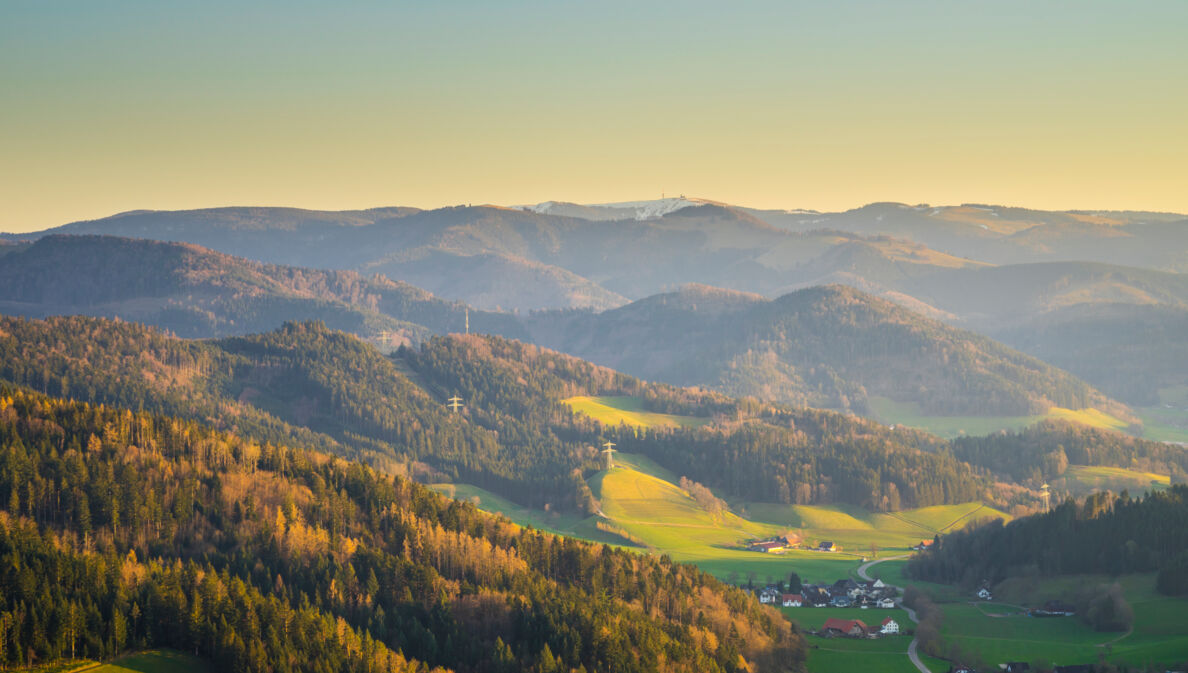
<point>455,403</point>
<point>1046,496</point>
<point>468,320</point>
<point>608,450</point>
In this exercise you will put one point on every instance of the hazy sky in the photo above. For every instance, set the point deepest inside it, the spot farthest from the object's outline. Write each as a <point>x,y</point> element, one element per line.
<point>112,106</point>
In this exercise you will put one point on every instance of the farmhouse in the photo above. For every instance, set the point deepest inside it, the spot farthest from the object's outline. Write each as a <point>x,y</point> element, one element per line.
<point>828,546</point>
<point>853,628</point>
<point>793,600</point>
<point>886,603</point>
<point>767,546</point>
<point>924,544</point>
<point>889,627</point>
<point>985,594</point>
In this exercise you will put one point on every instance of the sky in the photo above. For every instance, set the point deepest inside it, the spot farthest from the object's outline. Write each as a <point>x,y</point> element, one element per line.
<point>115,106</point>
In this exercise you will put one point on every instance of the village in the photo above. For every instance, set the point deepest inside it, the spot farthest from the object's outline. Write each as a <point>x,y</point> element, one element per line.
<point>844,593</point>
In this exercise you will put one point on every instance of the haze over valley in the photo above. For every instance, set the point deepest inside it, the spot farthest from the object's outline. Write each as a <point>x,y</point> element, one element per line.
<point>619,337</point>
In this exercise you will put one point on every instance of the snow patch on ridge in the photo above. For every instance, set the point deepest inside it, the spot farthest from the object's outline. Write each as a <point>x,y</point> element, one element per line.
<point>625,210</point>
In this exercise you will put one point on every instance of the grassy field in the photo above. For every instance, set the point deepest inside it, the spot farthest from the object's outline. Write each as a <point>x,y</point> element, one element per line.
<point>149,661</point>
<point>1168,420</point>
<point>629,410</point>
<point>1001,631</point>
<point>907,413</point>
<point>553,522</point>
<point>856,529</point>
<point>644,500</point>
<point>846,655</point>
<point>843,655</point>
<point>1081,480</point>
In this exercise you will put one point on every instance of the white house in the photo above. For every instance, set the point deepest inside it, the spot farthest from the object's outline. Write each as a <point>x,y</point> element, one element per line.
<point>886,603</point>
<point>770,595</point>
<point>890,627</point>
<point>984,594</point>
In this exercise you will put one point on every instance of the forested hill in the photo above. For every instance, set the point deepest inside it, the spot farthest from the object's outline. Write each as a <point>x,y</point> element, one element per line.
<point>761,451</point>
<point>317,387</point>
<point>122,530</point>
<point>831,347</point>
<point>1102,535</point>
<point>198,293</point>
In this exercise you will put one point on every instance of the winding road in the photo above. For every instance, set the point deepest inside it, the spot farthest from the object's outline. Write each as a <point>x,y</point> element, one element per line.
<point>911,651</point>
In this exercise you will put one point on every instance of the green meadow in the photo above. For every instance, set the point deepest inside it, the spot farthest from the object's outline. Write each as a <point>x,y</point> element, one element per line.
<point>856,530</point>
<point>847,655</point>
<point>908,413</point>
<point>148,661</point>
<point>552,522</point>
<point>1000,631</point>
<point>1081,480</point>
<point>644,500</point>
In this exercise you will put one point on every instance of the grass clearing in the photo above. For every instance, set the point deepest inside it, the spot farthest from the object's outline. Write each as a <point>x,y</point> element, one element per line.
<point>552,522</point>
<point>846,655</point>
<point>1081,480</point>
<point>616,410</point>
<point>644,500</point>
<point>1000,631</point>
<point>662,515</point>
<point>1167,421</point>
<point>856,529</point>
<point>155,661</point>
<point>908,413</point>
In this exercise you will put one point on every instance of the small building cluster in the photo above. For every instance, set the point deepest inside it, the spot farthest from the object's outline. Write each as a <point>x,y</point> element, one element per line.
<point>781,543</point>
<point>775,545</point>
<point>844,593</point>
<point>835,627</point>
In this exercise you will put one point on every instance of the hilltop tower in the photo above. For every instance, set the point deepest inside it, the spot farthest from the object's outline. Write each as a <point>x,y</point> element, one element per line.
<point>608,450</point>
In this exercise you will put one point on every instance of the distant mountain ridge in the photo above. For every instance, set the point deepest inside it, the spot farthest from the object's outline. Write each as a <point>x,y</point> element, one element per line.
<point>996,269</point>
<point>196,292</point>
<point>830,347</point>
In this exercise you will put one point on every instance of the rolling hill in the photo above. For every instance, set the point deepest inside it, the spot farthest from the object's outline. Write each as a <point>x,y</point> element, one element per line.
<point>196,292</point>
<point>831,347</point>
<point>261,558</point>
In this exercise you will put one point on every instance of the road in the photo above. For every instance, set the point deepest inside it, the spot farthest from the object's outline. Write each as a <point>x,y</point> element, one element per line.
<point>912,654</point>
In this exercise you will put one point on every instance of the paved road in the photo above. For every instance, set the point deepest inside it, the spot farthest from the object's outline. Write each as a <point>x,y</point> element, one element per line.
<point>899,602</point>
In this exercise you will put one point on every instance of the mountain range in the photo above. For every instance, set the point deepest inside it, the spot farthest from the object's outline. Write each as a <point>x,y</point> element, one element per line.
<point>1016,275</point>
<point>832,347</point>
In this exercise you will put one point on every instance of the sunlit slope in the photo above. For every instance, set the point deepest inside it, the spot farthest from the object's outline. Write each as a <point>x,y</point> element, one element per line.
<point>552,522</point>
<point>645,501</point>
<point>906,413</point>
<point>615,410</point>
<point>855,529</point>
<point>1082,480</point>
